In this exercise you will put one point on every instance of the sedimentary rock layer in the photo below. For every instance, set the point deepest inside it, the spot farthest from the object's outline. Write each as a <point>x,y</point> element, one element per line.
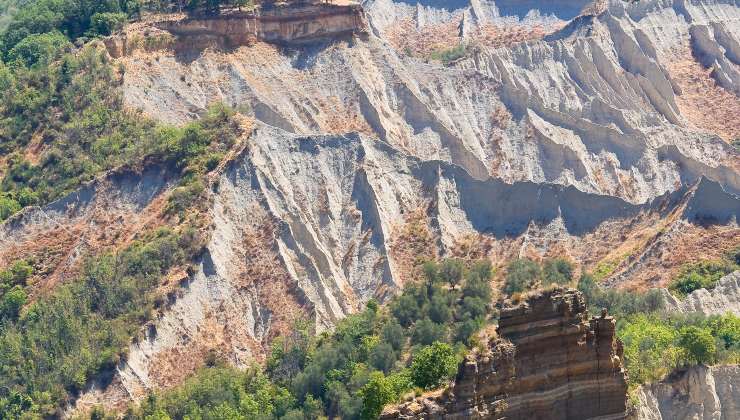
<point>286,25</point>
<point>552,362</point>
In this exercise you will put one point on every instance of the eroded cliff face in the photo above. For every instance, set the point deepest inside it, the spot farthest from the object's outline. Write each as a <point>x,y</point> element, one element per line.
<point>723,298</point>
<point>700,392</point>
<point>551,362</point>
<point>607,104</point>
<point>300,23</point>
<point>587,141</point>
<point>592,105</point>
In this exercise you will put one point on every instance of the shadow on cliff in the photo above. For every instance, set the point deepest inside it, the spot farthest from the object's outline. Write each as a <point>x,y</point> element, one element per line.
<point>495,207</point>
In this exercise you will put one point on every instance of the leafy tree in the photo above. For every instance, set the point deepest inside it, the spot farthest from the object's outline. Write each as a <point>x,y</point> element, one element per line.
<point>433,365</point>
<point>375,395</point>
<point>473,307</point>
<point>106,23</point>
<point>38,49</point>
<point>12,302</point>
<point>649,348</point>
<point>699,344</point>
<point>477,282</point>
<point>8,207</point>
<point>727,328</point>
<point>383,357</point>
<point>406,309</point>
<point>451,272</point>
<point>467,328</point>
<point>393,334</point>
<point>427,332</point>
<point>521,274</point>
<point>700,275</point>
<point>440,310</point>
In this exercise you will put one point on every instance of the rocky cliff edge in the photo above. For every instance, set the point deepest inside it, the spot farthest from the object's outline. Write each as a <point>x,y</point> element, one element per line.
<point>551,361</point>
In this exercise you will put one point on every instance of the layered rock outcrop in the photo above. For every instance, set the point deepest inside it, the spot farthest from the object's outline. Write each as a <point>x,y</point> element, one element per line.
<point>298,23</point>
<point>551,362</point>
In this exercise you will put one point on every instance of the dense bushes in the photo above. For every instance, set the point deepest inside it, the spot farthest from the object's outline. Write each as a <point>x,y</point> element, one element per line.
<point>371,359</point>
<point>62,340</point>
<point>656,342</point>
<point>702,275</point>
<point>222,393</point>
<point>524,274</point>
<point>433,364</point>
<point>86,134</point>
<point>70,18</point>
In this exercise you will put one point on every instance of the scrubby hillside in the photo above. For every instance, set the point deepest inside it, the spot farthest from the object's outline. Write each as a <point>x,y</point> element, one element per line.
<point>182,189</point>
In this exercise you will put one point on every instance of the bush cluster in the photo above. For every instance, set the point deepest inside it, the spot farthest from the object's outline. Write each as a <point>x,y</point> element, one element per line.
<point>51,349</point>
<point>371,359</point>
<point>702,275</point>
<point>524,274</point>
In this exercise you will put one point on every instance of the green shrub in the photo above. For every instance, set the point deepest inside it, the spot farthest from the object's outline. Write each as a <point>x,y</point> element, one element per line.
<point>699,344</point>
<point>11,303</point>
<point>522,274</point>
<point>619,303</point>
<point>449,55</point>
<point>650,348</point>
<point>8,207</point>
<point>15,275</point>
<point>376,393</point>
<point>63,339</point>
<point>106,23</point>
<point>427,332</point>
<point>38,49</point>
<point>393,334</point>
<point>433,365</point>
<point>557,271</point>
<point>222,393</point>
<point>185,196</point>
<point>702,275</point>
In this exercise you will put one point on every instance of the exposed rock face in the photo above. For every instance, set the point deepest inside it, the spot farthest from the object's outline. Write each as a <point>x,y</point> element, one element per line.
<point>284,25</point>
<point>306,227</point>
<point>592,105</point>
<point>699,393</point>
<point>553,362</point>
<point>575,144</point>
<point>725,297</point>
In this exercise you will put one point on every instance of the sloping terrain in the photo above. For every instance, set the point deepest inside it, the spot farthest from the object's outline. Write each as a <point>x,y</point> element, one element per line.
<point>105,214</point>
<point>595,132</point>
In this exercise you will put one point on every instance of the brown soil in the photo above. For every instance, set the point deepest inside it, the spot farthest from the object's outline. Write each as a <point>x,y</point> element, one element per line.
<point>705,104</point>
<point>413,244</point>
<point>407,39</point>
<point>58,253</point>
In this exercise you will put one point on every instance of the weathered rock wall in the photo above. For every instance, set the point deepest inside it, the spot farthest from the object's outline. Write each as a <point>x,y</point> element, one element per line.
<point>699,393</point>
<point>283,25</point>
<point>592,106</point>
<point>552,362</point>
